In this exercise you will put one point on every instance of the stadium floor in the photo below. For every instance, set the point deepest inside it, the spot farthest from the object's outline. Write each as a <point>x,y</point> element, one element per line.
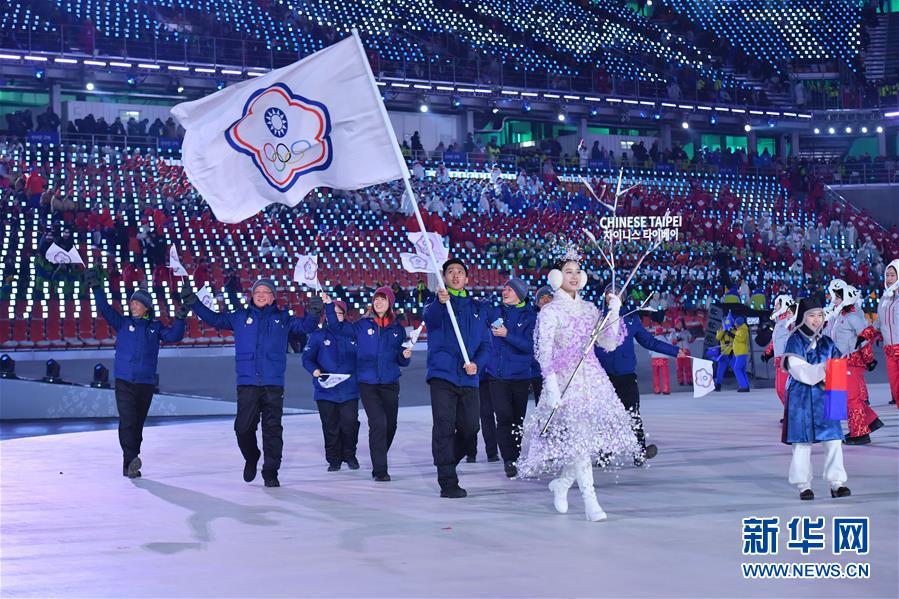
<point>72,526</point>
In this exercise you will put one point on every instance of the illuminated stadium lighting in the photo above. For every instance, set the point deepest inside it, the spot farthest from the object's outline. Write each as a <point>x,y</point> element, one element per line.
<point>456,102</point>
<point>494,109</point>
<point>422,106</point>
<point>89,86</point>
<point>180,89</point>
<point>561,116</point>
<point>879,129</point>
<point>220,85</point>
<point>891,114</point>
<point>848,129</point>
<point>526,106</point>
<point>594,112</point>
<point>817,131</point>
<point>831,130</point>
<point>864,129</point>
<point>713,119</point>
<point>685,124</point>
<point>747,127</point>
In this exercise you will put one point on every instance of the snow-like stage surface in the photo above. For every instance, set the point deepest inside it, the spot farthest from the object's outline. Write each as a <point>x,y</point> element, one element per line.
<point>73,526</point>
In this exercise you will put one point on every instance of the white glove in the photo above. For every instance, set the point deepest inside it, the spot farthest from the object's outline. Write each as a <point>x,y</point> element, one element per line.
<point>551,393</point>
<point>614,304</point>
<point>802,371</point>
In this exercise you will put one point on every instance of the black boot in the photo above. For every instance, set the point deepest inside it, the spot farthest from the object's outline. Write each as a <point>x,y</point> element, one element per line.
<point>743,390</point>
<point>249,469</point>
<point>471,459</point>
<point>876,425</point>
<point>807,495</point>
<point>381,478</point>
<point>334,467</point>
<point>132,470</point>
<point>860,440</point>
<point>456,492</point>
<point>272,482</point>
<point>717,387</point>
<point>840,492</point>
<point>511,470</point>
<point>493,458</point>
<point>352,463</point>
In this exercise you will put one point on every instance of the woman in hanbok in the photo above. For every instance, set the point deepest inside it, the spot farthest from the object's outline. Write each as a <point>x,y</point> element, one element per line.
<point>888,324</point>
<point>587,422</point>
<point>805,358</point>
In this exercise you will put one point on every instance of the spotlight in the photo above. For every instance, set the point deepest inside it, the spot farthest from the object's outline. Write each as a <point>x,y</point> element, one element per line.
<point>220,85</point>
<point>422,106</point>
<point>89,86</point>
<point>879,129</point>
<point>494,109</point>
<point>457,102</point>
<point>657,116</point>
<point>817,131</point>
<point>771,122</point>
<point>747,127</point>
<point>848,129</point>
<point>864,129</point>
<point>561,116</point>
<point>7,367</point>
<point>594,112</point>
<point>39,73</point>
<point>831,130</point>
<point>180,89</point>
<point>101,377</point>
<point>132,81</point>
<point>526,106</point>
<point>685,124</point>
<point>52,375</point>
<point>713,119</point>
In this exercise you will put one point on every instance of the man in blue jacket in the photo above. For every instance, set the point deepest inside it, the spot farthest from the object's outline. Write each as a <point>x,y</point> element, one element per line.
<point>453,382</point>
<point>332,350</point>
<point>509,368</point>
<point>621,366</point>
<point>136,355</point>
<point>261,332</point>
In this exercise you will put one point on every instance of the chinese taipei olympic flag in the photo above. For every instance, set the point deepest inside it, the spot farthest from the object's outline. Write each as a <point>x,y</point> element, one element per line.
<point>274,138</point>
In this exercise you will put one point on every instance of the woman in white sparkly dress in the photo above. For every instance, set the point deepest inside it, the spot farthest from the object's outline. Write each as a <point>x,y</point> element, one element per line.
<point>589,424</point>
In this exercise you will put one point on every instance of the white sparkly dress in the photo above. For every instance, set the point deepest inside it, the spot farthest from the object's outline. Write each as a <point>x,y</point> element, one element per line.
<point>590,422</point>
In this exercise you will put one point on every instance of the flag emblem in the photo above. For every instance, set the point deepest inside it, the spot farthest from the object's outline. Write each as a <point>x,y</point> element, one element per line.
<point>286,135</point>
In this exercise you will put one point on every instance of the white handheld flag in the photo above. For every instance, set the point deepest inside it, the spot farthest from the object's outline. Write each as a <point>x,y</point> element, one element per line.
<point>306,271</point>
<point>326,380</point>
<point>57,255</point>
<point>205,297</point>
<point>272,139</point>
<point>413,337</point>
<point>703,379</point>
<point>415,262</point>
<point>175,263</point>
<point>421,246</point>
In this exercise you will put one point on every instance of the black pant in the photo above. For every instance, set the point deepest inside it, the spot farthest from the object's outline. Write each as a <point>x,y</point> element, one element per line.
<point>381,403</point>
<point>455,411</point>
<point>488,422</point>
<point>510,401</point>
<point>537,387</point>
<point>133,402</point>
<point>627,390</point>
<point>254,401</point>
<point>340,427</point>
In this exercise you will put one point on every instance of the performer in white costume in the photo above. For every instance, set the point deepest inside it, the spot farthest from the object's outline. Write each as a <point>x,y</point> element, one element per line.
<point>587,422</point>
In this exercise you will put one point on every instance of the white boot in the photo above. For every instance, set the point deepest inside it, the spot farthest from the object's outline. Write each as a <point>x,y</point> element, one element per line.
<point>592,508</point>
<point>559,487</point>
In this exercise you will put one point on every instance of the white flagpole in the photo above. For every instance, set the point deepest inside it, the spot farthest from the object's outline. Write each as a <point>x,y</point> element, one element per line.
<point>402,162</point>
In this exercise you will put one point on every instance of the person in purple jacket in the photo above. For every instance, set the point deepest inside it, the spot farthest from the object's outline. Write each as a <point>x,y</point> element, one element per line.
<point>379,355</point>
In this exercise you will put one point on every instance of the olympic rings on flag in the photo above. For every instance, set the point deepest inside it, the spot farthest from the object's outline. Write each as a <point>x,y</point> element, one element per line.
<point>281,155</point>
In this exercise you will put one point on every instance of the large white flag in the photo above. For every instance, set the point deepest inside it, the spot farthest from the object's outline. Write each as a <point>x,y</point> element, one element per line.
<point>306,271</point>
<point>420,241</point>
<point>703,379</point>
<point>175,263</point>
<point>57,255</point>
<point>415,262</point>
<point>272,139</point>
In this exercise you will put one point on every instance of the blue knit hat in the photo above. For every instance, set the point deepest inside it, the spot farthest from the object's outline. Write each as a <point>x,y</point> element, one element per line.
<point>263,283</point>
<point>519,287</point>
<point>545,290</point>
<point>144,298</point>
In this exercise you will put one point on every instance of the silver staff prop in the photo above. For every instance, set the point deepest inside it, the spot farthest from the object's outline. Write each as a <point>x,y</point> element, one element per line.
<point>598,329</point>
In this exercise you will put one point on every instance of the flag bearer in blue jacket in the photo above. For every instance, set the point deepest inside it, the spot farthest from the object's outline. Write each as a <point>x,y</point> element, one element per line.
<point>379,356</point>
<point>454,383</point>
<point>509,367</point>
<point>621,366</point>
<point>261,333</point>
<point>136,354</point>
<point>331,350</point>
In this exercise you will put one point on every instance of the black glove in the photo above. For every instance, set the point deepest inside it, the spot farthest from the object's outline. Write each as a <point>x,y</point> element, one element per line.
<point>188,297</point>
<point>871,365</point>
<point>315,307</point>
<point>91,278</point>
<point>182,312</point>
<point>765,358</point>
<point>859,341</point>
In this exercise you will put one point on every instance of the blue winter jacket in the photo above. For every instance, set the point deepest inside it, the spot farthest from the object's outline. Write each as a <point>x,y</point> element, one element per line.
<point>622,360</point>
<point>332,349</point>
<point>260,340</point>
<point>379,351</point>
<point>137,342</point>
<point>512,357</point>
<point>444,356</point>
